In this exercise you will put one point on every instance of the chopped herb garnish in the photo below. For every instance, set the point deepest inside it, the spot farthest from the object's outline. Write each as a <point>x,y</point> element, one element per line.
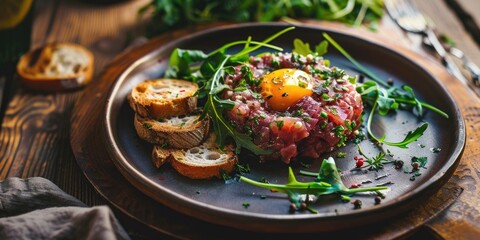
<point>241,86</point>
<point>279,124</point>
<point>325,97</point>
<point>421,160</point>
<point>435,150</point>
<point>297,113</point>
<point>305,165</point>
<point>242,168</point>
<point>324,114</point>
<point>147,125</point>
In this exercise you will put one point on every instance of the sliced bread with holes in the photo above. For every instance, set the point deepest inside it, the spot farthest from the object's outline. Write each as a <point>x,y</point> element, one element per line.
<point>202,162</point>
<point>175,132</point>
<point>163,98</point>
<point>56,67</point>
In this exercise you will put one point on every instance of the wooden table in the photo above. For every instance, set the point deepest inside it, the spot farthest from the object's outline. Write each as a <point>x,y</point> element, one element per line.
<point>35,140</point>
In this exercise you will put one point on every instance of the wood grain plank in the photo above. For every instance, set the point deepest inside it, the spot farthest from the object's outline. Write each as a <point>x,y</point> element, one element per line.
<point>34,140</point>
<point>472,7</point>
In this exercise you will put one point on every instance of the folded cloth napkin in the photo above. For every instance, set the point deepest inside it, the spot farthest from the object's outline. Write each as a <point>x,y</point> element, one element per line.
<point>35,208</point>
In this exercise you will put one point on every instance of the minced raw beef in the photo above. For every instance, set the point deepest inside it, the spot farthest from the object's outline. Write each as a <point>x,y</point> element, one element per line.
<point>313,125</point>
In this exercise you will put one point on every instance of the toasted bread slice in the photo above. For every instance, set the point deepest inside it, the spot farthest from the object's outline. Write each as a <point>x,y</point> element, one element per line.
<point>175,132</point>
<point>163,98</point>
<point>56,67</point>
<point>161,155</point>
<point>205,161</point>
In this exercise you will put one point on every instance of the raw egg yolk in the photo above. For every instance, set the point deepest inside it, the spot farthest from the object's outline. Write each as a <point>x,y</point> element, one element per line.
<point>282,88</point>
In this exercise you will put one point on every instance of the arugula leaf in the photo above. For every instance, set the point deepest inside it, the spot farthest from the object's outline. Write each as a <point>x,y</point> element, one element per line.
<point>211,63</point>
<point>328,181</point>
<point>381,99</point>
<point>304,49</point>
<point>301,47</point>
<point>418,104</point>
<point>322,48</point>
<point>385,103</point>
<point>180,60</point>
<point>411,137</point>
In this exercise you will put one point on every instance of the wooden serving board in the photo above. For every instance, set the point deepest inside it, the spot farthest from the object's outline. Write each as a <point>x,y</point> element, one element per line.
<point>89,148</point>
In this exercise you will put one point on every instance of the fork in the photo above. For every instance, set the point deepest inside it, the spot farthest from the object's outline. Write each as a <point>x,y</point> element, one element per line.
<point>409,18</point>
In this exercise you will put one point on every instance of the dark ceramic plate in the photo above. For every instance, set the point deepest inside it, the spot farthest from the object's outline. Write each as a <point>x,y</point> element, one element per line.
<point>220,203</point>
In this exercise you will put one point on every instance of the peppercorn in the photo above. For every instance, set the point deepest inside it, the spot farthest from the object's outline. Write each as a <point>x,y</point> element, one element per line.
<point>292,208</point>
<point>357,204</point>
<point>378,200</point>
<point>415,166</point>
<point>359,162</point>
<point>355,185</point>
<point>390,82</point>
<point>303,206</point>
<point>398,164</point>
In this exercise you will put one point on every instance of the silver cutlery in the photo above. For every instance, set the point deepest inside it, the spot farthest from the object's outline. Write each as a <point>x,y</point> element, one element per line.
<point>409,18</point>
<point>467,63</point>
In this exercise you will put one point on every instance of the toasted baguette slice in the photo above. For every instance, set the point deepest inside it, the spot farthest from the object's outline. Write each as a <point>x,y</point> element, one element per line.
<point>176,132</point>
<point>161,155</point>
<point>56,67</point>
<point>163,98</point>
<point>205,161</point>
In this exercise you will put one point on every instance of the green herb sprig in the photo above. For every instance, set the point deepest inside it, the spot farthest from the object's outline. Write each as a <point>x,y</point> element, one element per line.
<point>328,181</point>
<point>168,15</point>
<point>374,163</point>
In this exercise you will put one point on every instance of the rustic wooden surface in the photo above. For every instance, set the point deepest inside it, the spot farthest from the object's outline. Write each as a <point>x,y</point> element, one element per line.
<point>34,139</point>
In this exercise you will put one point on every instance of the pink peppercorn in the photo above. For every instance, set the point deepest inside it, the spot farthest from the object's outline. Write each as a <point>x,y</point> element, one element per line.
<point>355,185</point>
<point>359,162</point>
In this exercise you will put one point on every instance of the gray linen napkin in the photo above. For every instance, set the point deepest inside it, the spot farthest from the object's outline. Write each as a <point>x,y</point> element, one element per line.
<point>35,208</point>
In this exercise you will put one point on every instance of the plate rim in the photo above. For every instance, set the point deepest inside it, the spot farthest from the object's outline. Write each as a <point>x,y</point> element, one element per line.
<point>133,175</point>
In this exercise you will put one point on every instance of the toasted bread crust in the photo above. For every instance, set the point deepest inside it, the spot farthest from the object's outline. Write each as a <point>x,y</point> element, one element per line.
<point>36,69</point>
<point>192,134</point>
<point>204,162</point>
<point>202,172</point>
<point>161,155</point>
<point>163,98</point>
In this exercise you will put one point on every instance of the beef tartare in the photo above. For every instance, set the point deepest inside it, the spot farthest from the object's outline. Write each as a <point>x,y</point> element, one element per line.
<point>292,104</point>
